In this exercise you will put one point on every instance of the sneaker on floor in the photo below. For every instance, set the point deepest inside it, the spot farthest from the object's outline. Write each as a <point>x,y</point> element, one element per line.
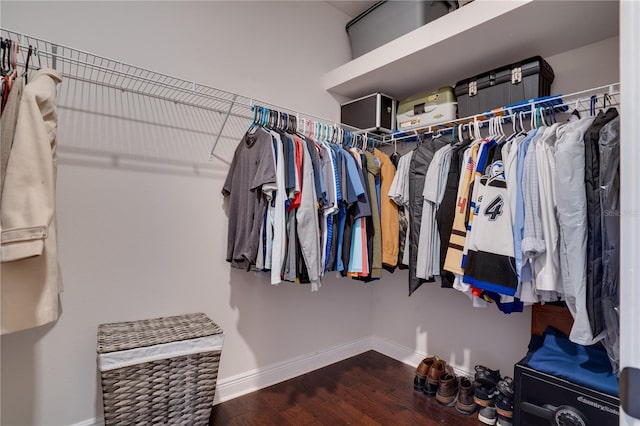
<point>505,386</point>
<point>504,399</point>
<point>465,403</point>
<point>504,406</point>
<point>503,421</point>
<point>487,415</point>
<point>487,377</point>
<point>447,389</point>
<point>437,369</point>
<point>421,372</point>
<point>484,396</point>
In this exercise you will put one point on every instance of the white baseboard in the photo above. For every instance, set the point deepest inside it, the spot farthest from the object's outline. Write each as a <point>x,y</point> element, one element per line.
<point>96,421</point>
<point>250,381</point>
<point>404,354</point>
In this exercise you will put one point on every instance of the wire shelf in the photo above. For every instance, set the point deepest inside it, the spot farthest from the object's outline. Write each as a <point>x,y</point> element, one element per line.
<point>608,95</point>
<point>90,68</point>
<point>235,110</point>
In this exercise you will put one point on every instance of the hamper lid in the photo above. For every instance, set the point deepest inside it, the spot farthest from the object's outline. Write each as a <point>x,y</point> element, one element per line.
<point>120,336</point>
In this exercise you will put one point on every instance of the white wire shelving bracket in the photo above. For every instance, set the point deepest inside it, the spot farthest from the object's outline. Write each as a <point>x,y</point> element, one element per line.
<point>94,69</point>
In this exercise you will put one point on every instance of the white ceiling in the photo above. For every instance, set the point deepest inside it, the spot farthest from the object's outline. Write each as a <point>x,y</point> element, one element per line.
<point>352,8</point>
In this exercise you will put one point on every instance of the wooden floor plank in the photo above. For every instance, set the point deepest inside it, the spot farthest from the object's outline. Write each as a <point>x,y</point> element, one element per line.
<point>368,389</point>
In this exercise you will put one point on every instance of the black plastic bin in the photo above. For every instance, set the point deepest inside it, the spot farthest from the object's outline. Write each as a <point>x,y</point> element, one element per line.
<point>527,79</point>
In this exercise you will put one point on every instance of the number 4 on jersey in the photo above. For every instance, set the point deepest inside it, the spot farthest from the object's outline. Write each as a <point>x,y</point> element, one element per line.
<point>494,208</point>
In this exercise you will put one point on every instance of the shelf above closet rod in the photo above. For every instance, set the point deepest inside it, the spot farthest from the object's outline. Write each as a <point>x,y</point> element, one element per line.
<point>90,68</point>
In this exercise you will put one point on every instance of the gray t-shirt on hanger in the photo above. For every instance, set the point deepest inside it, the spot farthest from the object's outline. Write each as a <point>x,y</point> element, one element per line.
<point>249,184</point>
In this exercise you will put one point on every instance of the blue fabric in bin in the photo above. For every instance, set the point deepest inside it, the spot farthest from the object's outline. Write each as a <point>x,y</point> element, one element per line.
<point>585,365</point>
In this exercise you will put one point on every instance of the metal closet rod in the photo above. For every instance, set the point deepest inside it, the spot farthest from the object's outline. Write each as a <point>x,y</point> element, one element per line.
<point>611,90</point>
<point>90,68</point>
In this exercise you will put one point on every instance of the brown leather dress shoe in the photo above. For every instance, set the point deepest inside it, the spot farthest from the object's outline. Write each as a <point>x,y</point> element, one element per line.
<point>421,372</point>
<point>433,377</point>
<point>447,389</point>
<point>465,403</point>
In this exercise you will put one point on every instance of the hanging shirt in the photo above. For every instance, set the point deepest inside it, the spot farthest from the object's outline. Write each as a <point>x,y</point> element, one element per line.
<point>307,220</point>
<point>594,219</point>
<point>251,173</point>
<point>354,201</point>
<point>453,261</point>
<point>533,239</point>
<point>428,246</point>
<point>263,260</point>
<point>490,264</point>
<point>388,211</point>
<point>548,266</point>
<point>418,167</point>
<point>358,254</point>
<point>446,211</point>
<point>279,245</point>
<point>572,216</point>
<point>510,151</point>
<point>523,270</point>
<point>373,171</point>
<point>399,194</point>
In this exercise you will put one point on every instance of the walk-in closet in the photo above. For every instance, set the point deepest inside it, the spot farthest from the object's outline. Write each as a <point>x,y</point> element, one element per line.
<point>320,212</point>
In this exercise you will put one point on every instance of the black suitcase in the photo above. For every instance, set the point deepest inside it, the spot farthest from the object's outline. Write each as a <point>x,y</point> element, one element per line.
<point>542,399</point>
<point>375,113</point>
<point>527,79</point>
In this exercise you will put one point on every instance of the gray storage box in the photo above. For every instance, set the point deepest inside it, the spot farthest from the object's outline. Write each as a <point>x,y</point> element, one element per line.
<point>388,20</point>
<point>374,113</point>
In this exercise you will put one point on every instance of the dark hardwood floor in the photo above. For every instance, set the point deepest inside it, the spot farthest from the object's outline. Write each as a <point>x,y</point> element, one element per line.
<point>368,389</point>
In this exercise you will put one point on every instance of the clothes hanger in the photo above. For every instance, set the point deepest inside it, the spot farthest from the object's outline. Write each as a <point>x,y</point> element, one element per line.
<point>25,73</point>
<point>575,109</point>
<point>500,128</point>
<point>13,66</point>
<point>492,129</point>
<point>521,115</point>
<point>540,116</point>
<point>5,62</point>
<point>604,101</point>
<point>2,55</point>
<point>254,122</point>
<point>269,122</point>
<point>36,52</point>
<point>592,105</point>
<point>476,129</point>
<point>512,118</point>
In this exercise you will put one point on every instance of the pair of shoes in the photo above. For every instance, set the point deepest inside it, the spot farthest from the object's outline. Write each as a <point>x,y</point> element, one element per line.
<point>504,399</point>
<point>488,415</point>
<point>447,389</point>
<point>437,369</point>
<point>420,379</point>
<point>487,377</point>
<point>503,421</point>
<point>486,389</point>
<point>484,396</point>
<point>465,403</point>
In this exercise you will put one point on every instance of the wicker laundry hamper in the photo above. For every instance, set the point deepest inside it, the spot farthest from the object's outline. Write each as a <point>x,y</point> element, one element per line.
<point>160,371</point>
